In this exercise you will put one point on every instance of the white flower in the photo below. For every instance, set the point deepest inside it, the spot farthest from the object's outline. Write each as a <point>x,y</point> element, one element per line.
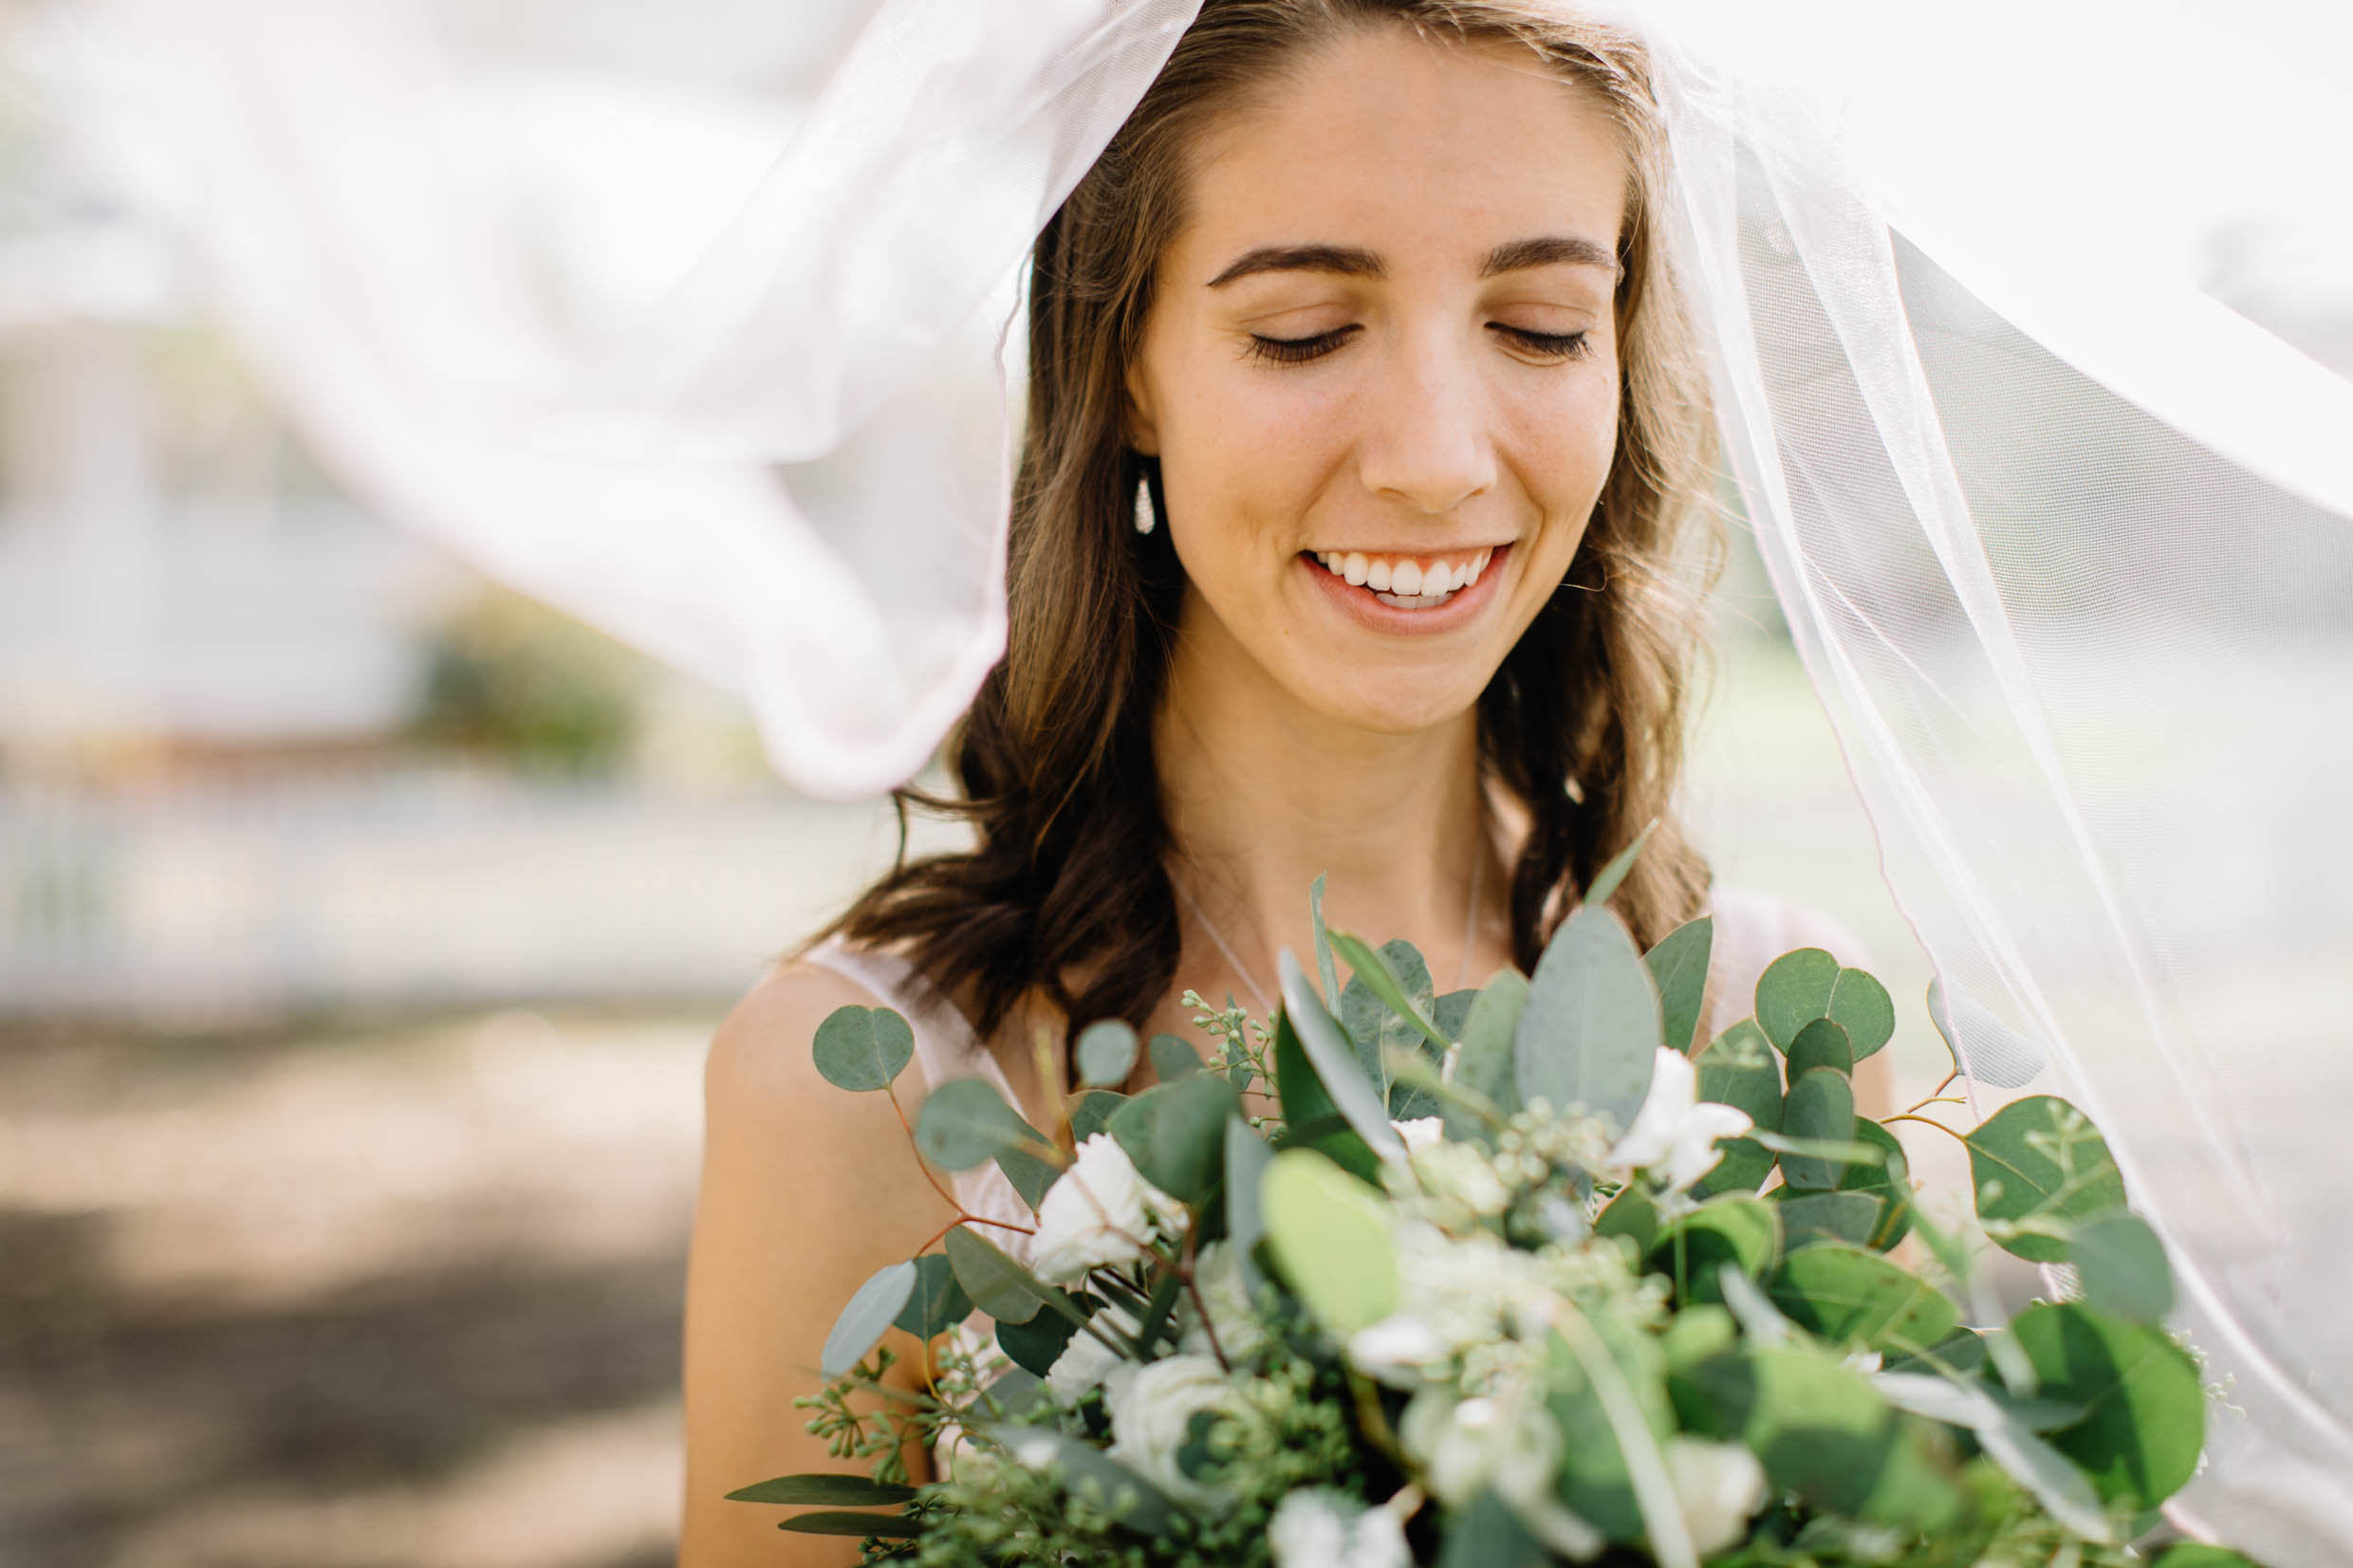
<point>1102,1213</point>
<point>1398,1350</point>
<point>1321,1528</point>
<point>1086,1360</point>
<point>1420,1134</point>
<point>1504,1444</point>
<point>1217,1274</point>
<point>1675,1133</point>
<point>1152,1420</point>
<point>1719,1486</point>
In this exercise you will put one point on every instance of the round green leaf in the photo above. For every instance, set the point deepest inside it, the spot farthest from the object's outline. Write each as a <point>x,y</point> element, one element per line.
<point>868,1314</point>
<point>1853,1217</point>
<point>1330,1236</point>
<point>1736,1229</point>
<point>2147,1420</point>
<point>966,1122</point>
<point>1889,1181</point>
<point>1679,964</point>
<point>1793,992</point>
<point>1853,1298</point>
<point>1092,1112</point>
<point>1821,1104</point>
<point>1860,1006</point>
<point>1036,1345</point>
<point>1176,1133</point>
<point>2120,1265</point>
<point>2040,1158</point>
<point>1589,1034</point>
<point>1633,1213</point>
<point>937,1303</point>
<point>997,1285</point>
<point>1106,1054</point>
<point>1172,1058</point>
<point>1738,1068</point>
<point>1821,1044</point>
<point>862,1048</point>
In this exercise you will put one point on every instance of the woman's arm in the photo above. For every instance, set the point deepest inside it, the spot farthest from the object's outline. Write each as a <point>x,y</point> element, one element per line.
<point>806,1190</point>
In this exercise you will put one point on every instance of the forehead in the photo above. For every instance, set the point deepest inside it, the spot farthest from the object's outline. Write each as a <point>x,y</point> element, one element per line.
<point>1427,151</point>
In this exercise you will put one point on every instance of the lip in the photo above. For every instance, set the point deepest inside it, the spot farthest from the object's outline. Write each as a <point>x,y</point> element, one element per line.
<point>1388,620</point>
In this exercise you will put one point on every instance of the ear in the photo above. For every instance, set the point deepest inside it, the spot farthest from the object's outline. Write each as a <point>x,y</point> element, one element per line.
<point>1141,424</point>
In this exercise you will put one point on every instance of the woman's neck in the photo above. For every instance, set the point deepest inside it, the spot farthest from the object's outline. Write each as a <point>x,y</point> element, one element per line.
<point>1262,795</point>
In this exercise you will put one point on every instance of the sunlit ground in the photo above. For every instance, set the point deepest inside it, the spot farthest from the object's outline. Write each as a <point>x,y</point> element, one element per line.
<point>408,1294</point>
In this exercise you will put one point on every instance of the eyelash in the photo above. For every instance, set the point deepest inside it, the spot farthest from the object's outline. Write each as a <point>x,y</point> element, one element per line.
<point>1293,351</point>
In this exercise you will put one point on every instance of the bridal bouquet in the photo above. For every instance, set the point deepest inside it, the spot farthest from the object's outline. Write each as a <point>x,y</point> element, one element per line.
<point>1504,1277</point>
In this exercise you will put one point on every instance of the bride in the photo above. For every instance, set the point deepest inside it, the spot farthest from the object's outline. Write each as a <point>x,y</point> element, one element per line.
<point>1358,531</point>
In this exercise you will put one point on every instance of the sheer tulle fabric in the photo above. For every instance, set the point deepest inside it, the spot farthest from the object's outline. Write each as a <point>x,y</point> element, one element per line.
<point>2066,546</point>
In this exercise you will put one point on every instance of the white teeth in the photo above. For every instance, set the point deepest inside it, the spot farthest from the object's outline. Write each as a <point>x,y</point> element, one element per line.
<point>1405,579</point>
<point>1355,568</point>
<point>1445,579</point>
<point>1378,576</point>
<point>1332,563</point>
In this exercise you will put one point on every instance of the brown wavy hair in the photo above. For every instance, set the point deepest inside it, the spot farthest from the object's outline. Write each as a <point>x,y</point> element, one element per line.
<point>1065,893</point>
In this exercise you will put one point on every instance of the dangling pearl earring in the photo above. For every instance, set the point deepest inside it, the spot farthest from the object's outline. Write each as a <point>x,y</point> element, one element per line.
<point>1147,515</point>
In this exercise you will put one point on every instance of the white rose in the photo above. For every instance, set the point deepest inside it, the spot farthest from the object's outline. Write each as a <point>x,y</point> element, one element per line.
<point>1675,1133</point>
<point>1509,1445</point>
<point>1086,1360</point>
<point>1719,1487</point>
<point>1152,1420</point>
<point>1101,1214</point>
<point>1398,1350</point>
<point>1217,1274</point>
<point>1319,1528</point>
<point>1420,1134</point>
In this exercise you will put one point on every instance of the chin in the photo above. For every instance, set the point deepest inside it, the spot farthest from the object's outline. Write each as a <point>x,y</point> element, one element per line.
<point>1402,704</point>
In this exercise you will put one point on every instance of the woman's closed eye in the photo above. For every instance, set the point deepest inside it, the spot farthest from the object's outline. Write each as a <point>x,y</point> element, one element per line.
<point>1292,351</point>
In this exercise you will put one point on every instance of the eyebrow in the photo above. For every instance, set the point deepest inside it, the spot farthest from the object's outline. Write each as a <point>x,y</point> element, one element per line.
<point>1355,261</point>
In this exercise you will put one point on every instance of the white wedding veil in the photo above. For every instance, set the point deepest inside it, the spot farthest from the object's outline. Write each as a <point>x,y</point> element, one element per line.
<point>2065,542</point>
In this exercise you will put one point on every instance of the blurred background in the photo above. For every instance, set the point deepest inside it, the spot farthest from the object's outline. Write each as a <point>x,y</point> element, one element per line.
<point>362,923</point>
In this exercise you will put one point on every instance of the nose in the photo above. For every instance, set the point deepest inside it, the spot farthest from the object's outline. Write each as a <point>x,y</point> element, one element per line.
<point>1427,441</point>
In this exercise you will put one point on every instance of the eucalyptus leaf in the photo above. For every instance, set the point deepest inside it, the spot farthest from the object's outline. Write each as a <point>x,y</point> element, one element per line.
<point>1036,1345</point>
<point>2146,1425</point>
<point>1888,1179</point>
<point>1247,1158</point>
<point>1485,1532</point>
<point>1175,1132</point>
<point>1484,1063</point>
<point>1633,1214</point>
<point>894,1526</point>
<point>1837,1216</point>
<point>2041,1469</point>
<point>1679,964</point>
<point>937,1303</point>
<point>1854,1297</point>
<point>825,1490</point>
<point>2041,1159</point>
<point>1819,1104</point>
<point>1031,1177</point>
<point>1173,1059</point>
<point>1736,1229</point>
<point>1330,1236</point>
<point>1106,1054</point>
<point>1793,992</point>
<point>1738,1068</point>
<point>1092,1112</point>
<point>1613,875</point>
<point>868,1314</point>
<point>1821,1044</point>
<point>997,1285</point>
<point>1452,1012</point>
<point>862,1048</point>
<point>966,1122</point>
<point>1345,1086</point>
<point>1323,968</point>
<point>1860,1006</point>
<point>1405,990</point>
<point>2121,1264</point>
<point>1589,1033</point>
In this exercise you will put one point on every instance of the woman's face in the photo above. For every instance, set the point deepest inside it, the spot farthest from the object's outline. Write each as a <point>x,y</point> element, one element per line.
<point>1381,371</point>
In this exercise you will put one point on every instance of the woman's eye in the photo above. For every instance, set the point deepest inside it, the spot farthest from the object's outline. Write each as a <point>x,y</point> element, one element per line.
<point>1292,351</point>
<point>1546,346</point>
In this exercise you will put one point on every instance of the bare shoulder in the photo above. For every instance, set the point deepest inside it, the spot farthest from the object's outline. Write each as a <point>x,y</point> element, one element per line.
<point>807,1189</point>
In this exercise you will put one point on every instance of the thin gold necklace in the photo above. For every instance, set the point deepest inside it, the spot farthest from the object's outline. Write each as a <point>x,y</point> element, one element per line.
<point>1258,992</point>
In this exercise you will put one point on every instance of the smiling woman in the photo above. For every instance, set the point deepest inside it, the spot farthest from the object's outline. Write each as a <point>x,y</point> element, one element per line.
<point>1363,304</point>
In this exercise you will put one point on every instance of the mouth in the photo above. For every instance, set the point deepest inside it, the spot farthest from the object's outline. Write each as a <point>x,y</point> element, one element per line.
<point>1408,593</point>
